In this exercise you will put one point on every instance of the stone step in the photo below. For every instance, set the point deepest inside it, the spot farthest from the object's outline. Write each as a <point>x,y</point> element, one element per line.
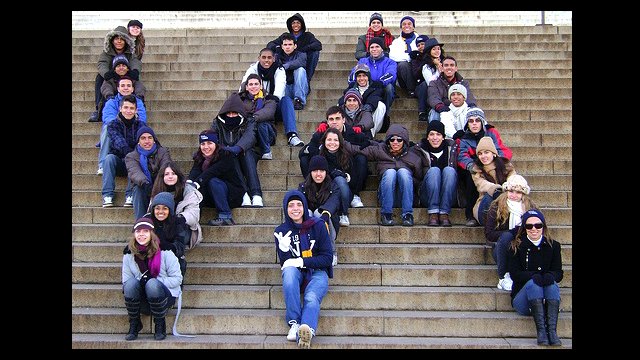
<point>435,254</point>
<point>331,323</point>
<point>420,298</point>
<point>146,341</point>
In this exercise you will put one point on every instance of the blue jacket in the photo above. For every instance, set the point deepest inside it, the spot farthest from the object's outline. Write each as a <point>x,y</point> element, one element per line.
<point>384,70</point>
<point>112,108</point>
<point>310,237</point>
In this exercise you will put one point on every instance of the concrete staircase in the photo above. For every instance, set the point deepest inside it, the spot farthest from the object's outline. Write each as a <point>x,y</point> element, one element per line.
<point>394,287</point>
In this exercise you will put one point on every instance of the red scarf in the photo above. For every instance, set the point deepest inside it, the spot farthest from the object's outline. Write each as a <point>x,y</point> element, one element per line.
<point>383,33</point>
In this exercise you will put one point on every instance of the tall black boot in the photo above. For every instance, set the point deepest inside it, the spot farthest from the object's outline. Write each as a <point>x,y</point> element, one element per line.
<point>537,310</point>
<point>135,325</point>
<point>159,310</point>
<point>553,309</point>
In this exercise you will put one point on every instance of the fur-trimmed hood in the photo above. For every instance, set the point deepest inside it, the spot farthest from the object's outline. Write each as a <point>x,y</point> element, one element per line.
<point>130,48</point>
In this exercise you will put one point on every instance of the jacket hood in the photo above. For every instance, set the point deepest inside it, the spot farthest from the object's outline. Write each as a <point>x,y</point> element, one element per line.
<point>397,130</point>
<point>233,103</point>
<point>124,33</point>
<point>298,17</point>
<point>285,201</point>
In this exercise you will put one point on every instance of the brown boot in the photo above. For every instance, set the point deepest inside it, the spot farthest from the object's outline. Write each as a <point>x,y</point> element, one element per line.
<point>433,220</point>
<point>444,220</point>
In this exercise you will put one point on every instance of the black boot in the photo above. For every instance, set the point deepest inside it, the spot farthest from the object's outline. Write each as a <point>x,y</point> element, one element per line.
<point>135,325</point>
<point>159,310</point>
<point>553,309</point>
<point>537,310</point>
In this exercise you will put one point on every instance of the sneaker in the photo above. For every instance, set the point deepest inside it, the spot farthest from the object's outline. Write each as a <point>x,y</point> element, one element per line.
<point>386,220</point>
<point>472,223</point>
<point>505,283</point>
<point>257,201</point>
<point>94,117</point>
<point>344,220</point>
<point>335,260</point>
<point>267,156</point>
<point>246,200</point>
<point>407,220</point>
<point>221,222</point>
<point>128,202</point>
<point>356,202</point>
<point>294,140</point>
<point>305,333</point>
<point>423,116</point>
<point>100,171</point>
<point>297,104</point>
<point>107,201</point>
<point>293,331</point>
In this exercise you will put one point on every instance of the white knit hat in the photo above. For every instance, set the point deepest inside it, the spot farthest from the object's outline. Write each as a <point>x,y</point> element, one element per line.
<point>458,88</point>
<point>516,182</point>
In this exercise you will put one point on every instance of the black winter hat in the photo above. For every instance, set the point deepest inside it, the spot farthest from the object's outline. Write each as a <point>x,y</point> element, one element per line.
<point>376,16</point>
<point>435,125</point>
<point>376,40</point>
<point>318,162</point>
<point>134,22</point>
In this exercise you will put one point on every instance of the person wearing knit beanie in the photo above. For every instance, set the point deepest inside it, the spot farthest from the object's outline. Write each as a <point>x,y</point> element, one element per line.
<point>166,199</point>
<point>145,129</point>
<point>518,183</point>
<point>376,40</point>
<point>486,144</point>
<point>533,213</point>
<point>413,21</point>
<point>318,162</point>
<point>459,88</point>
<point>208,136</point>
<point>476,112</point>
<point>376,16</point>
<point>119,59</point>
<point>435,125</point>
<point>353,94</point>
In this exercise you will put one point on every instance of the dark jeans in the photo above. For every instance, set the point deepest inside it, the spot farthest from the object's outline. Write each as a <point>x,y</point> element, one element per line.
<point>421,92</point>
<point>470,192</point>
<point>312,63</point>
<point>98,93</point>
<point>249,166</point>
<point>358,172</point>
<point>405,76</point>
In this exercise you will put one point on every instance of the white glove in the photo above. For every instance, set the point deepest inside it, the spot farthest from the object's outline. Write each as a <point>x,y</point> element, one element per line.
<point>295,262</point>
<point>284,241</point>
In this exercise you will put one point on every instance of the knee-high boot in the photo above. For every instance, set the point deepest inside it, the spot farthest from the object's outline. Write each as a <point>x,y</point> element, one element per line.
<point>159,310</point>
<point>537,310</point>
<point>553,309</point>
<point>135,325</point>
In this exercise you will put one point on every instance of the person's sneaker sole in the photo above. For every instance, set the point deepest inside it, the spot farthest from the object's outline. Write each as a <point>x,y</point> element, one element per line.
<point>304,336</point>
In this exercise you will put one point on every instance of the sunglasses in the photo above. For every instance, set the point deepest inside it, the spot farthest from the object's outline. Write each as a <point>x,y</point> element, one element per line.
<point>531,226</point>
<point>472,120</point>
<point>395,139</point>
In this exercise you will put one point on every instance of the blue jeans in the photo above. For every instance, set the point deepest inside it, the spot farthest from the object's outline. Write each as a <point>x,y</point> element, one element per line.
<point>434,115</point>
<point>499,252</point>
<point>266,135</point>
<point>309,311</point>
<point>312,63</point>
<point>154,289</point>
<point>358,172</point>
<point>345,194</point>
<point>287,114</point>
<point>114,166</point>
<point>300,87</point>
<point>389,93</point>
<point>396,188</point>
<point>438,189</point>
<point>105,145</point>
<point>483,207</point>
<point>421,92</point>
<point>141,199</point>
<point>249,166</point>
<point>531,291</point>
<point>220,194</point>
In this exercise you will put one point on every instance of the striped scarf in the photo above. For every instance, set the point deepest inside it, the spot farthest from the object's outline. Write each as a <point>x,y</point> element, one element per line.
<point>383,33</point>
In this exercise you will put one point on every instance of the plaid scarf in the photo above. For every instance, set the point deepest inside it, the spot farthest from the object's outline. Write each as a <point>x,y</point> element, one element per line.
<point>383,33</point>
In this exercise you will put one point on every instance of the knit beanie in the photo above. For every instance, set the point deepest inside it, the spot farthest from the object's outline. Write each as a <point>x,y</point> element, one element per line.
<point>421,39</point>
<point>486,144</point>
<point>413,21</point>
<point>145,129</point>
<point>460,89</point>
<point>376,40</point>
<point>208,136</point>
<point>532,213</point>
<point>353,93</point>
<point>143,223</point>
<point>435,125</point>
<point>318,162</point>
<point>362,68</point>
<point>476,112</point>
<point>376,16</point>
<point>134,22</point>
<point>518,183</point>
<point>119,59</point>
<point>166,199</point>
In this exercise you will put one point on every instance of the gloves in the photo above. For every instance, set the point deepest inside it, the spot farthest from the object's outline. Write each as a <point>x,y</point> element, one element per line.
<point>144,278</point>
<point>458,134</point>
<point>497,193</point>
<point>109,97</point>
<point>548,279</point>
<point>295,262</point>
<point>443,108</point>
<point>194,184</point>
<point>537,279</point>
<point>134,74</point>
<point>322,127</point>
<point>235,149</point>
<point>337,172</point>
<point>367,107</point>
<point>470,166</point>
<point>357,129</point>
<point>109,75</point>
<point>284,241</point>
<point>471,105</point>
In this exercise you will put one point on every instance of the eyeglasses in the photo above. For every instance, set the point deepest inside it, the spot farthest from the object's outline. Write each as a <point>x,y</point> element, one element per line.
<point>395,139</point>
<point>531,226</point>
<point>476,120</point>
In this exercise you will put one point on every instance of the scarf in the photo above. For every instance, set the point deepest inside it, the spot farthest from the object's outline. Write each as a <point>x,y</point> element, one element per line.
<point>408,38</point>
<point>515,213</point>
<point>145,263</point>
<point>207,162</point>
<point>351,114</point>
<point>268,75</point>
<point>144,154</point>
<point>436,155</point>
<point>258,101</point>
<point>383,33</point>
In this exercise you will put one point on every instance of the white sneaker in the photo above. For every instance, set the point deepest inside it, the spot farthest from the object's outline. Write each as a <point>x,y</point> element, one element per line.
<point>505,283</point>
<point>356,202</point>
<point>100,171</point>
<point>128,202</point>
<point>107,201</point>
<point>335,260</point>
<point>305,333</point>
<point>267,156</point>
<point>344,220</point>
<point>293,331</point>
<point>246,200</point>
<point>257,201</point>
<point>294,140</point>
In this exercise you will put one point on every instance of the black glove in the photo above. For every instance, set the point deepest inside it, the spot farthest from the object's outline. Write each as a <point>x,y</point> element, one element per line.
<point>109,75</point>
<point>471,105</point>
<point>134,74</point>
<point>548,279</point>
<point>126,250</point>
<point>497,193</point>
<point>235,149</point>
<point>144,278</point>
<point>537,279</point>
<point>325,217</point>
<point>337,172</point>
<point>458,134</point>
<point>442,109</point>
